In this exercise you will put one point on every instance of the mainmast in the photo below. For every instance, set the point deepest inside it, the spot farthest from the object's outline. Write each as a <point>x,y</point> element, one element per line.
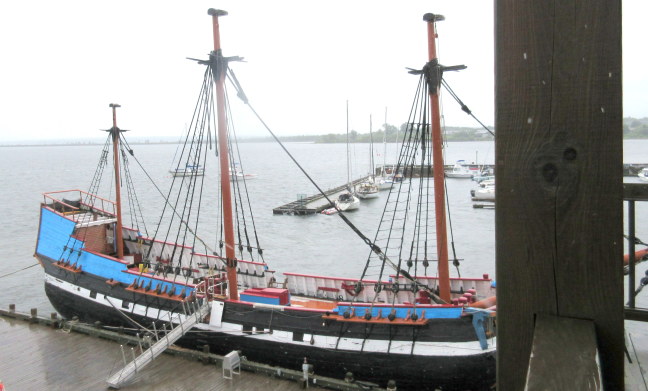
<point>226,190</point>
<point>114,132</point>
<point>437,160</point>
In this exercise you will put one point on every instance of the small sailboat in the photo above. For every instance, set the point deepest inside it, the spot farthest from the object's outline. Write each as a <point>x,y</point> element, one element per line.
<point>485,191</point>
<point>347,201</point>
<point>188,170</point>
<point>385,180</point>
<point>237,173</point>
<point>369,189</point>
<point>643,175</point>
<point>403,320</point>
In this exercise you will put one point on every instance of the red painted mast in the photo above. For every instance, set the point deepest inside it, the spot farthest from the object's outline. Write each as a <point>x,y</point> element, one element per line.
<point>114,132</point>
<point>226,190</point>
<point>437,160</point>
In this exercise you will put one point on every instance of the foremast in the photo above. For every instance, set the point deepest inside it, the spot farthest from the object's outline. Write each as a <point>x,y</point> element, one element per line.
<point>437,160</point>
<point>115,132</point>
<point>226,191</point>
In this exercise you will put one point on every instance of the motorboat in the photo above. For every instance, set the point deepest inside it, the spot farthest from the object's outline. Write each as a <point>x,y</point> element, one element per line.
<point>460,170</point>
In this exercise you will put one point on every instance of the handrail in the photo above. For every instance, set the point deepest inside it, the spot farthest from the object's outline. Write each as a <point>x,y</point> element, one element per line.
<point>104,206</point>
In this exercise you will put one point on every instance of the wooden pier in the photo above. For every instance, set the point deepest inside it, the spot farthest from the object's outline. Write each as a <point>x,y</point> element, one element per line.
<point>102,354</point>
<point>315,203</point>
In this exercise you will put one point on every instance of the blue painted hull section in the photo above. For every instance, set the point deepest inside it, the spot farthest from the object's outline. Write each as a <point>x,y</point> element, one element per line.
<point>55,241</point>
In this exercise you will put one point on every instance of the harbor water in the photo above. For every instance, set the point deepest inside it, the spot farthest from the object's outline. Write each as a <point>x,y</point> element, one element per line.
<point>33,358</point>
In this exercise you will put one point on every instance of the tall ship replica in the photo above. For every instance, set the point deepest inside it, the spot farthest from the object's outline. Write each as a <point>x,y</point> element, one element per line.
<point>402,321</point>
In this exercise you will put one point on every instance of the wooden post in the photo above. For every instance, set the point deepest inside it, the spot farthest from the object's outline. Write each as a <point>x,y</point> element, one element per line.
<point>564,355</point>
<point>558,151</point>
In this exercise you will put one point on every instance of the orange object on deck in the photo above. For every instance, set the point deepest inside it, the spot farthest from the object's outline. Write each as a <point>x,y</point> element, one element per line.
<point>639,255</point>
<point>485,303</point>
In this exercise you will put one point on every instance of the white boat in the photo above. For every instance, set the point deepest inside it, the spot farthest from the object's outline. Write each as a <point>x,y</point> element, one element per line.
<point>188,170</point>
<point>347,201</point>
<point>385,180</point>
<point>388,176</point>
<point>485,192</point>
<point>482,176</point>
<point>643,175</point>
<point>460,170</point>
<point>238,174</point>
<point>383,183</point>
<point>366,190</point>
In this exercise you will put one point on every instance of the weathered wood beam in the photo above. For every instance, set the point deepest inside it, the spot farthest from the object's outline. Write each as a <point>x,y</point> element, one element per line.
<point>564,355</point>
<point>558,152</point>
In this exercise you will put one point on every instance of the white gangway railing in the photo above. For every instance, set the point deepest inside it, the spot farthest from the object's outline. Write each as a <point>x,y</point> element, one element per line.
<point>148,355</point>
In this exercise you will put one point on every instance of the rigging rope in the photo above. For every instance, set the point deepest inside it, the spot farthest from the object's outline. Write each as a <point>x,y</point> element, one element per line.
<point>464,107</point>
<point>168,203</point>
<point>19,270</point>
<point>364,238</point>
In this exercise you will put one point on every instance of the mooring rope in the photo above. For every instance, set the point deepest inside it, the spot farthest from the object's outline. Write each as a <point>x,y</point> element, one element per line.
<point>19,270</point>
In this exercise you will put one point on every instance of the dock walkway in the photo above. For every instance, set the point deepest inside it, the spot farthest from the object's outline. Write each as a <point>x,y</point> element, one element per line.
<point>70,344</point>
<point>315,203</point>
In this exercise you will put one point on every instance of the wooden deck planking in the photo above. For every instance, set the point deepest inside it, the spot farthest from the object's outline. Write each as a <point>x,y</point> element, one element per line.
<point>40,358</point>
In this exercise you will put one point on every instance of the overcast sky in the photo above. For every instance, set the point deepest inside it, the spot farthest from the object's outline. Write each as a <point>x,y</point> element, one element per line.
<point>65,61</point>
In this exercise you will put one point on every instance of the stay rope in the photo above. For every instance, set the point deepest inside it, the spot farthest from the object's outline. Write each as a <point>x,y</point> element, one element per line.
<point>376,249</point>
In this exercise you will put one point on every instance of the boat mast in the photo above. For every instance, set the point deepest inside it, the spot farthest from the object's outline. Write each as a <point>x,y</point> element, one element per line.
<point>226,190</point>
<point>347,147</point>
<point>437,160</point>
<point>371,153</point>
<point>384,148</point>
<point>114,132</point>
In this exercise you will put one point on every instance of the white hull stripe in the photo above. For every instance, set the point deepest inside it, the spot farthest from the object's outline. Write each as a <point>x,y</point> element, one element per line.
<point>286,337</point>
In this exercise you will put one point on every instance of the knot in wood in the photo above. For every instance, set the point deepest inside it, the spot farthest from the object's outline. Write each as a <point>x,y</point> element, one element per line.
<point>556,168</point>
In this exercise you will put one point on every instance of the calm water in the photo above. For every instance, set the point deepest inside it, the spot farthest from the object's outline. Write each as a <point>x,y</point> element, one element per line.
<point>309,244</point>
<point>316,244</point>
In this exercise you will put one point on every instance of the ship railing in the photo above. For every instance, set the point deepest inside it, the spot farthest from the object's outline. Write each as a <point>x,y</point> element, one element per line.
<point>75,201</point>
<point>334,288</point>
<point>212,285</point>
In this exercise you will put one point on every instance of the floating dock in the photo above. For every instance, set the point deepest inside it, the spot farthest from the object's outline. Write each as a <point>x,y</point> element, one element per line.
<point>315,203</point>
<point>487,205</point>
<point>308,205</point>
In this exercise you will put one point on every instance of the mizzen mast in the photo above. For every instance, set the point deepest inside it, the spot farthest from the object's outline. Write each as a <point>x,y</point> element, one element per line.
<point>226,190</point>
<point>115,132</point>
<point>434,80</point>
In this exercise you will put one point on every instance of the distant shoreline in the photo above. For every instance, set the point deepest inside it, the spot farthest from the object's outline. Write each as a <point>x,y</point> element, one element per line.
<point>94,144</point>
<point>633,129</point>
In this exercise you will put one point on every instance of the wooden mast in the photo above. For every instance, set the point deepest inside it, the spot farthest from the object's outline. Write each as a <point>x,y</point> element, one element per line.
<point>437,160</point>
<point>114,132</point>
<point>226,190</point>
